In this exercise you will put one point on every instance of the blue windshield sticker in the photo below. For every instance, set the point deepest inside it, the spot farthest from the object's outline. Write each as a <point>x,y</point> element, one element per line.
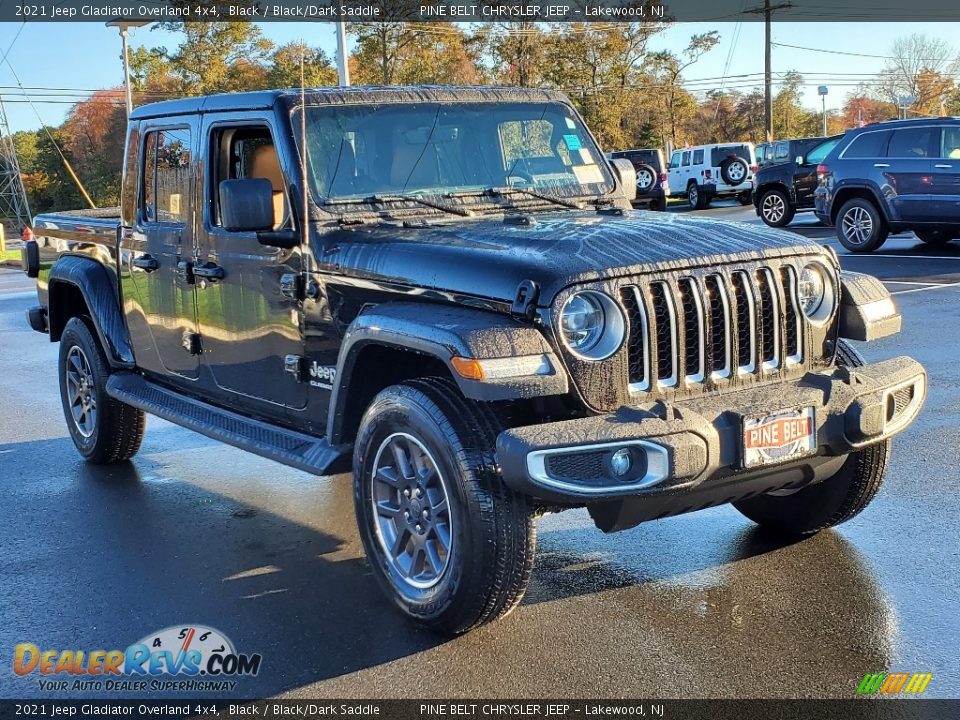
<point>572,141</point>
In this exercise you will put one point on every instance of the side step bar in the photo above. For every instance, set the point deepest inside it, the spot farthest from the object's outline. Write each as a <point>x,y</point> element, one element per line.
<point>304,452</point>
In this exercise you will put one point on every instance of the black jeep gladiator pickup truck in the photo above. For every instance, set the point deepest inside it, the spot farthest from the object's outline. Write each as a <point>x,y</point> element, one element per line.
<point>448,287</point>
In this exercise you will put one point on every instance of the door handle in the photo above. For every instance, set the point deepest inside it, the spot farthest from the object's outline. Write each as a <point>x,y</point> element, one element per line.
<point>209,271</point>
<point>881,164</point>
<point>943,165</point>
<point>147,263</point>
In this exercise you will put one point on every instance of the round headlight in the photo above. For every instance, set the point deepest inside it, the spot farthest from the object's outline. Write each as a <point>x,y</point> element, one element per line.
<point>592,325</point>
<point>816,292</point>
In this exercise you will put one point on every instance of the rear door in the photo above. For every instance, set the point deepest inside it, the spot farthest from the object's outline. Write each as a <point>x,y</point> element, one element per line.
<point>159,300</point>
<point>946,177</point>
<point>908,170</point>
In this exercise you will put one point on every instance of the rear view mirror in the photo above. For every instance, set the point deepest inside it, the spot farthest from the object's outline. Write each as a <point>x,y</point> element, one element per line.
<point>627,175</point>
<point>246,205</point>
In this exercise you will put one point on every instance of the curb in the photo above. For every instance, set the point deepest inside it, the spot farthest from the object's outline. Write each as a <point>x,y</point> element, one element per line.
<point>14,264</point>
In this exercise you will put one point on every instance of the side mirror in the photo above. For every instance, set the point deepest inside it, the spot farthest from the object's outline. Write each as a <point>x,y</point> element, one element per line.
<point>800,159</point>
<point>627,175</point>
<point>246,205</point>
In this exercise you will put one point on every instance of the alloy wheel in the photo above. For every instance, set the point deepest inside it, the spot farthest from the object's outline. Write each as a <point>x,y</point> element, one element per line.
<point>81,392</point>
<point>411,507</point>
<point>736,171</point>
<point>644,180</point>
<point>773,207</point>
<point>857,226</point>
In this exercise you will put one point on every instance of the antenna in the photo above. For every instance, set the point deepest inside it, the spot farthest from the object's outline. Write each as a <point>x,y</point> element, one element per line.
<point>303,147</point>
<point>13,196</point>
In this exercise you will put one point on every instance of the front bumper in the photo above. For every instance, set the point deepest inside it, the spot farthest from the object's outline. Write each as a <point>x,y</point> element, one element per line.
<point>690,453</point>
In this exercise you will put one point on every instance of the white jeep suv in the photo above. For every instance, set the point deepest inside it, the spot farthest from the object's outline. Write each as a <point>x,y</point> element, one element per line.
<point>705,172</point>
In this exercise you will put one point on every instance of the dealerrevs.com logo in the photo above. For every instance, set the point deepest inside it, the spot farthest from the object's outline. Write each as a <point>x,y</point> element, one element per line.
<point>178,658</point>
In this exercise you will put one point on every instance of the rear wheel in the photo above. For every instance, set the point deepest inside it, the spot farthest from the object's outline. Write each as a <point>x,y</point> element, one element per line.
<point>775,208</point>
<point>744,198</point>
<point>860,227</point>
<point>696,199</point>
<point>660,204</point>
<point>831,501</point>
<point>450,544</point>
<point>104,430</point>
<point>933,237</point>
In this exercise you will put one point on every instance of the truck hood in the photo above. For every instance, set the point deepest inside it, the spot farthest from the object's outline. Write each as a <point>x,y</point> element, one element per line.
<point>488,258</point>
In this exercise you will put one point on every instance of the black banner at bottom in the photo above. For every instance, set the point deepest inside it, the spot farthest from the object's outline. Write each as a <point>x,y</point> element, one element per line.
<point>853,709</point>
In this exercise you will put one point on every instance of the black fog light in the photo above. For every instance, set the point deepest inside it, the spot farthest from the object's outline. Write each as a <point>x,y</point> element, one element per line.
<point>626,464</point>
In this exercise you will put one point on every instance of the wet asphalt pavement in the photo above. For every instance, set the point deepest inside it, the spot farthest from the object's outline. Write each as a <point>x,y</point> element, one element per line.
<point>701,605</point>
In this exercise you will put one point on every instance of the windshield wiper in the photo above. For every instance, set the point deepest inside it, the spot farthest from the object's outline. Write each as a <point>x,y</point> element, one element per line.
<point>418,199</point>
<point>506,192</point>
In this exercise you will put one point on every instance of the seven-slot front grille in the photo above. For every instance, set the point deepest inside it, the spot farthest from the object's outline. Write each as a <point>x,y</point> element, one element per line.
<point>686,330</point>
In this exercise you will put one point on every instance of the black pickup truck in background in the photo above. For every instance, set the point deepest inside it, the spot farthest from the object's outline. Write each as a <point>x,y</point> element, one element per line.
<point>445,290</point>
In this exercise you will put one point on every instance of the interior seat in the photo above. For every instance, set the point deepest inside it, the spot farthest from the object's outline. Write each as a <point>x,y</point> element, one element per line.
<point>265,163</point>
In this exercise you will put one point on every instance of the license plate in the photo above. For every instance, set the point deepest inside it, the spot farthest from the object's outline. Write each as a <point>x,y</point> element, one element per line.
<point>779,437</point>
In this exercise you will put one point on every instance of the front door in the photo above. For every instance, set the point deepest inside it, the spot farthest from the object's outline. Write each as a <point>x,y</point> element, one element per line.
<point>251,320</point>
<point>159,299</point>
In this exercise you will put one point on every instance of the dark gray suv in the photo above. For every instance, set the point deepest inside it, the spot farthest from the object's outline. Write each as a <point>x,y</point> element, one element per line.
<point>892,177</point>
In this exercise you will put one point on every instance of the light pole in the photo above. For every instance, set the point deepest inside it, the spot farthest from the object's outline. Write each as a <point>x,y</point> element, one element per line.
<point>343,70</point>
<point>124,27</point>
<point>822,91</point>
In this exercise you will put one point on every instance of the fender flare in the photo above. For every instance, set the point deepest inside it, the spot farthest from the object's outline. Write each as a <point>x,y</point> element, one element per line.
<point>99,292</point>
<point>874,192</point>
<point>444,332</point>
<point>867,311</point>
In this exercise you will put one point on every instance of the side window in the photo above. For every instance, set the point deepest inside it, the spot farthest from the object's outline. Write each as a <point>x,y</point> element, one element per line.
<point>698,157</point>
<point>246,152</point>
<point>166,176</point>
<point>686,158</point>
<point>950,143</point>
<point>675,160</point>
<point>910,143</point>
<point>782,151</point>
<point>868,145</point>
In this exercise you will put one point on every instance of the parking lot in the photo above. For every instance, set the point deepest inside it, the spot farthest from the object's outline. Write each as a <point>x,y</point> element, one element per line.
<point>193,531</point>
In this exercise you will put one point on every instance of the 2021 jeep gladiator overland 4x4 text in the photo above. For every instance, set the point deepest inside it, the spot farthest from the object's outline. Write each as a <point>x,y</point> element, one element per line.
<point>448,286</point>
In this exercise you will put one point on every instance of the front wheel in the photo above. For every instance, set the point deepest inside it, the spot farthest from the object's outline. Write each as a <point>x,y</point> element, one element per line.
<point>860,227</point>
<point>450,544</point>
<point>103,429</point>
<point>696,199</point>
<point>828,502</point>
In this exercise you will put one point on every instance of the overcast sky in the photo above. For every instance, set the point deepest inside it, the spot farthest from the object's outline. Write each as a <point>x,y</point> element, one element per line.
<point>86,56</point>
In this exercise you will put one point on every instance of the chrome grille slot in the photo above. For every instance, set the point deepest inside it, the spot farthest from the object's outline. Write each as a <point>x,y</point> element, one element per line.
<point>694,331</point>
<point>638,343</point>
<point>746,322</point>
<point>769,320</point>
<point>665,327</point>
<point>718,310</point>
<point>793,318</point>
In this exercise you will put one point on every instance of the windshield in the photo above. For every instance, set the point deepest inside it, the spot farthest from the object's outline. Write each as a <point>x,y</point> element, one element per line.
<point>388,150</point>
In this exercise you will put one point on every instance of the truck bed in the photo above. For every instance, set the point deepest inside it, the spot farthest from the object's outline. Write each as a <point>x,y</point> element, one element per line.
<point>61,228</point>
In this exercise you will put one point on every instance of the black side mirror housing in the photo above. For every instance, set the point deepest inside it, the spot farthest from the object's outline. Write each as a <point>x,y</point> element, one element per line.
<point>246,205</point>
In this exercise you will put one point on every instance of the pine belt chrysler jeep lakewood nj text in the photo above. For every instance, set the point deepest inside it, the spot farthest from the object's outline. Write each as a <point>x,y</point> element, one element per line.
<point>448,286</point>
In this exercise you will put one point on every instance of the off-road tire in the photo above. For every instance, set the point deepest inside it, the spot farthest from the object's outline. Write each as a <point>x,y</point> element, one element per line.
<point>744,198</point>
<point>879,230</point>
<point>659,205</point>
<point>118,428</point>
<point>646,171</point>
<point>494,536</point>
<point>831,501</point>
<point>775,208</point>
<point>726,175</point>
<point>696,198</point>
<point>935,238</point>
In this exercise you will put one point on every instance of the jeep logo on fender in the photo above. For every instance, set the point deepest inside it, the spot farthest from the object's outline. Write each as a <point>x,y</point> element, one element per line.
<point>322,375</point>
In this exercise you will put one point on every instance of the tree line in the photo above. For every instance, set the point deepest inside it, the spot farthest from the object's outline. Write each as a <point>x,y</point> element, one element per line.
<point>630,94</point>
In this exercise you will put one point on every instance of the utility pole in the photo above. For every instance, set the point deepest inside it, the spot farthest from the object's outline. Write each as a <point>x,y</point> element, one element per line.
<point>767,11</point>
<point>767,73</point>
<point>124,27</point>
